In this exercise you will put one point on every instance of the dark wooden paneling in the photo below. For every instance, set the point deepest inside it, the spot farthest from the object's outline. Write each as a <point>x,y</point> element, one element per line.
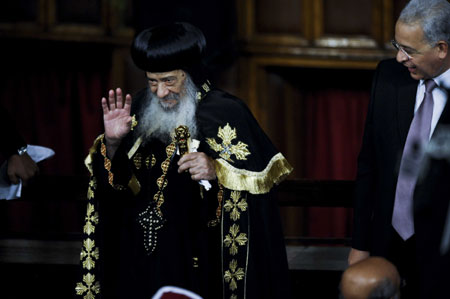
<point>19,11</point>
<point>348,17</point>
<point>79,12</point>
<point>282,16</point>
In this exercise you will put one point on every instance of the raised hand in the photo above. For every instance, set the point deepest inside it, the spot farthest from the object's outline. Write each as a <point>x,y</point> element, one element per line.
<point>116,118</point>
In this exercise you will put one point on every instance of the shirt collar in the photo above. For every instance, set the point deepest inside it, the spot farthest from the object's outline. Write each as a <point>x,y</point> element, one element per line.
<point>442,81</point>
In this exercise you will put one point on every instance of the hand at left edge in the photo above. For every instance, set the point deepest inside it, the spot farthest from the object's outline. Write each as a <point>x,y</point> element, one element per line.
<point>21,167</point>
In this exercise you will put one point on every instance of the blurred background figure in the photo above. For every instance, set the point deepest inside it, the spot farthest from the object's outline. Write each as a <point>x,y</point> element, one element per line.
<point>14,150</point>
<point>374,277</point>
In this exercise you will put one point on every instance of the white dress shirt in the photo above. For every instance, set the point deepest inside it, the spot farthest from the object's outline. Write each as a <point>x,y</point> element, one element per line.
<point>440,97</point>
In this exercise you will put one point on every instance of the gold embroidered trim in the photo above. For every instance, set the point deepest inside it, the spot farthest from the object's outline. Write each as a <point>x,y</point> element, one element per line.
<point>226,148</point>
<point>134,148</point>
<point>88,286</point>
<point>235,239</point>
<point>90,254</point>
<point>216,221</point>
<point>236,205</point>
<point>91,219</point>
<point>107,164</point>
<point>92,151</point>
<point>254,182</point>
<point>233,274</point>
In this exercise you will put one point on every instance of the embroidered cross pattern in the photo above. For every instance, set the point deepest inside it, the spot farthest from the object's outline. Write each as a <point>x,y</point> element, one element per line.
<point>89,287</point>
<point>233,274</point>
<point>226,148</point>
<point>235,239</point>
<point>236,205</point>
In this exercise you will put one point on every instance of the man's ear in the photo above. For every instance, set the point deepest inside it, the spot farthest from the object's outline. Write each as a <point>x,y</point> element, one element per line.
<point>443,49</point>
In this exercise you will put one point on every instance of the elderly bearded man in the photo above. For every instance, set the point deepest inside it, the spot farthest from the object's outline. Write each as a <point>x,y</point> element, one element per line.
<point>180,192</point>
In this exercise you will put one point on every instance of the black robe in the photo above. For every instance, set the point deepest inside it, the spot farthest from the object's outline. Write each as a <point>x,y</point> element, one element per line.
<point>219,243</point>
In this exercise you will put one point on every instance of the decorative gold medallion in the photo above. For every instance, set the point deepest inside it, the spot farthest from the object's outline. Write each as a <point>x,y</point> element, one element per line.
<point>226,148</point>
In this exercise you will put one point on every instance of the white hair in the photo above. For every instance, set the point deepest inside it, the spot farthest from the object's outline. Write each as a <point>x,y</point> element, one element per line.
<point>157,120</point>
<point>432,15</point>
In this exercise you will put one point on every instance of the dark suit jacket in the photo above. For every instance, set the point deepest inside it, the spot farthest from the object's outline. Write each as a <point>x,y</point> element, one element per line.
<point>431,201</point>
<point>390,113</point>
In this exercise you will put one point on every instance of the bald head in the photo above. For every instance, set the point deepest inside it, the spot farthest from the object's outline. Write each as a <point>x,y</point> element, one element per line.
<point>374,277</point>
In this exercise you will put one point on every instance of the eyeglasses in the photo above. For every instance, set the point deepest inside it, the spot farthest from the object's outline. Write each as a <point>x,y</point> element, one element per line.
<point>400,48</point>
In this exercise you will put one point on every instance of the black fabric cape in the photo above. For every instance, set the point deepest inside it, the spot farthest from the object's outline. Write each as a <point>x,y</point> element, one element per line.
<point>219,243</point>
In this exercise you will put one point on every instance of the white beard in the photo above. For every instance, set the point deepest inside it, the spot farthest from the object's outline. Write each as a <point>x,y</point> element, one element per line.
<point>157,120</point>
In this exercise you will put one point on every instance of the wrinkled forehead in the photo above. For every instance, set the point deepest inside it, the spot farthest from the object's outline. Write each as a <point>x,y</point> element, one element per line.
<point>179,74</point>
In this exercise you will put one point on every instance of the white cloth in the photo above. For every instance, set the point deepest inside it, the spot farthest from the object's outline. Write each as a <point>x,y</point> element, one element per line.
<point>13,191</point>
<point>192,147</point>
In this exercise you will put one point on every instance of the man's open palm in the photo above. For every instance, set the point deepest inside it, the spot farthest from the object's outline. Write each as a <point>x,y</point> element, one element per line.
<point>116,115</point>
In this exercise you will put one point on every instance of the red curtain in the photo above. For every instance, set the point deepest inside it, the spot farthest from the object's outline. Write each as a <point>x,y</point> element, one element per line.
<point>53,92</point>
<point>334,127</point>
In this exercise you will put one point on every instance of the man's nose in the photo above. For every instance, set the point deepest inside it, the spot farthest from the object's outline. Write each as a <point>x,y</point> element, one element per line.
<point>162,90</point>
<point>401,57</point>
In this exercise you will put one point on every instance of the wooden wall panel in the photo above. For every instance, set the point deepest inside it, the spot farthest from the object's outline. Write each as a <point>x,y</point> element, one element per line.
<point>86,17</point>
<point>279,17</point>
<point>19,11</point>
<point>79,12</point>
<point>22,15</point>
<point>348,17</point>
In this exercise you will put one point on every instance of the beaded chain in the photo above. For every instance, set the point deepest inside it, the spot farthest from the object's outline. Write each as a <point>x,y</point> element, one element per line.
<point>152,219</point>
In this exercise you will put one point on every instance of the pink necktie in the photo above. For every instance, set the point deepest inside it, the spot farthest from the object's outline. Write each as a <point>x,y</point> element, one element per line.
<point>418,136</point>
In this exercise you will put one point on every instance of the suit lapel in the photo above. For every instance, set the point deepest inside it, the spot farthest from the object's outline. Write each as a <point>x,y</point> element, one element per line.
<point>406,99</point>
<point>445,116</point>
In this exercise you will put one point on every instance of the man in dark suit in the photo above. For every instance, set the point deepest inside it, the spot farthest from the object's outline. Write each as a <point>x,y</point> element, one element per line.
<point>404,110</point>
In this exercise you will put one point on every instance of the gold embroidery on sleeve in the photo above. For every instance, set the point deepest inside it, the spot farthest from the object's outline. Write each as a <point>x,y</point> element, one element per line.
<point>226,148</point>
